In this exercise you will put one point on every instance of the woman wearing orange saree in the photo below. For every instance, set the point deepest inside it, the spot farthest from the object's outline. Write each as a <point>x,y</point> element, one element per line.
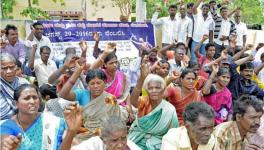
<point>181,96</point>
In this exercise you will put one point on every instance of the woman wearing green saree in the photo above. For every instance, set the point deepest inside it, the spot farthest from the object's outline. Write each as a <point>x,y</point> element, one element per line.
<point>155,115</point>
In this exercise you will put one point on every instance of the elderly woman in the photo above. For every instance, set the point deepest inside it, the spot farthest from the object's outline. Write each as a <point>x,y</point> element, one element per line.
<point>113,137</point>
<point>30,129</point>
<point>155,115</point>
<point>96,102</point>
<point>8,83</point>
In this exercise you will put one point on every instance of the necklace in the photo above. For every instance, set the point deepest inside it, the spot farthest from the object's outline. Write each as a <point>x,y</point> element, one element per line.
<point>18,119</point>
<point>19,123</point>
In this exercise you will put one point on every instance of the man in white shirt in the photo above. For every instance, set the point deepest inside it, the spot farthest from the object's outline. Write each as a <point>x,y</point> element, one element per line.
<point>42,67</point>
<point>203,25</point>
<point>169,25</point>
<point>185,27</point>
<point>241,29</point>
<point>36,37</point>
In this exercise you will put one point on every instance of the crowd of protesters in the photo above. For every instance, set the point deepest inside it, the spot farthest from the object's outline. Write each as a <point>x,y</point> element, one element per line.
<point>202,90</point>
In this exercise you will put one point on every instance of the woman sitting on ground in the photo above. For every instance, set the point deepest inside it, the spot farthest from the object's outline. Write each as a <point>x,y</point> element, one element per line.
<point>218,95</point>
<point>184,94</point>
<point>96,102</point>
<point>30,129</point>
<point>155,115</point>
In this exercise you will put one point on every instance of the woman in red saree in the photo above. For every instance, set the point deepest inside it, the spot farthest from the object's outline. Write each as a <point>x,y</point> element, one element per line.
<point>181,96</point>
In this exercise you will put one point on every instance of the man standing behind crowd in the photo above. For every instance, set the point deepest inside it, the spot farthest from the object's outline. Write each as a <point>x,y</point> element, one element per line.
<point>169,24</point>
<point>14,46</point>
<point>203,25</point>
<point>185,27</point>
<point>36,37</point>
<point>241,29</point>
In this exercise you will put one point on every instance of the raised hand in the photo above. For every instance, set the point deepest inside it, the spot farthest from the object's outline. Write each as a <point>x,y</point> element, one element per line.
<point>260,45</point>
<point>249,46</point>
<point>175,76</point>
<point>226,2</point>
<point>158,8</point>
<point>34,47</point>
<point>83,45</point>
<point>2,32</point>
<point>96,36</point>
<point>175,42</point>
<point>215,68</point>
<point>223,38</point>
<point>145,68</point>
<point>251,58</point>
<point>71,62</point>
<point>10,142</point>
<point>224,54</point>
<point>73,117</point>
<point>80,64</point>
<point>205,37</point>
<point>110,47</point>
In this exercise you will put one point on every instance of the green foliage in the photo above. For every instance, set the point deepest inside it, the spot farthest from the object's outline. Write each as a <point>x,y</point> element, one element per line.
<point>252,10</point>
<point>152,4</point>
<point>34,13</point>
<point>7,7</point>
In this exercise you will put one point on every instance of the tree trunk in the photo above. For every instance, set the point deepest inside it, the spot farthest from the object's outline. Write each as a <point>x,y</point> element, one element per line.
<point>29,3</point>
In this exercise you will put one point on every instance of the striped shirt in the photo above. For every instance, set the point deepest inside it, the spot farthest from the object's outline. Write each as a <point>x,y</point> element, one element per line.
<point>219,24</point>
<point>228,137</point>
<point>7,106</point>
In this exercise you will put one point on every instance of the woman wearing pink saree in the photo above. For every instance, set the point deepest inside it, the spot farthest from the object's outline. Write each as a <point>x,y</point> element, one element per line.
<point>117,83</point>
<point>217,95</point>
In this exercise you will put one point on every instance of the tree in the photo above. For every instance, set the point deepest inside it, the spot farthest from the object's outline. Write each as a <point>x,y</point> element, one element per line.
<point>125,6</point>
<point>6,8</point>
<point>35,12</point>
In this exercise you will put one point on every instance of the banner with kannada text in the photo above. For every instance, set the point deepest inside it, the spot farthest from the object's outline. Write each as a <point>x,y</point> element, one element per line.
<point>129,36</point>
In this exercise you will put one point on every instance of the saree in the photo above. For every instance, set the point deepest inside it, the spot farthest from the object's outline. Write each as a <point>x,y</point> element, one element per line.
<point>179,102</point>
<point>119,86</point>
<point>98,110</point>
<point>147,131</point>
<point>218,101</point>
<point>7,105</point>
<point>45,133</point>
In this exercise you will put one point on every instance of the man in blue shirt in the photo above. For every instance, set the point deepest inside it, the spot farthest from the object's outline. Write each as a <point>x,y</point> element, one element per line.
<point>242,83</point>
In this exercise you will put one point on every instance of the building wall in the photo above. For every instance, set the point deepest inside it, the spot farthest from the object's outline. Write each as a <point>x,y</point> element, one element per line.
<point>104,9</point>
